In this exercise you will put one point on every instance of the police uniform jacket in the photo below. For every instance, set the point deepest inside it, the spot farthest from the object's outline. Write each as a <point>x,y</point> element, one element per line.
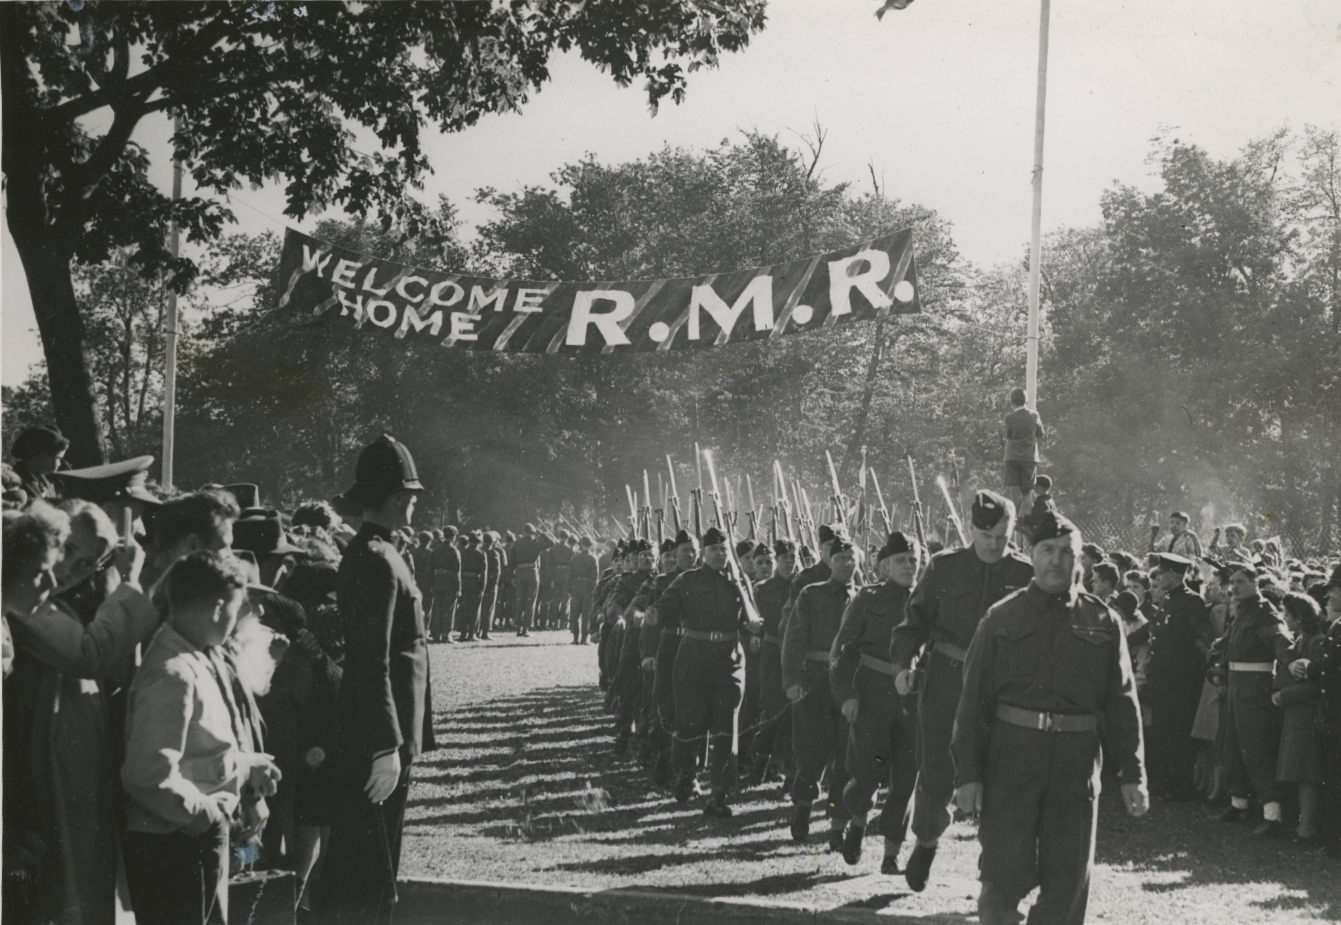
<point>865,634</point>
<point>384,689</point>
<point>1181,635</point>
<point>474,569</point>
<point>771,595</point>
<point>813,625</point>
<point>1256,635</point>
<point>702,600</point>
<point>955,591</point>
<point>1050,653</point>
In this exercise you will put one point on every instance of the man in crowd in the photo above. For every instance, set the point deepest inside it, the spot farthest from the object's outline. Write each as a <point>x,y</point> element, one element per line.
<point>773,739</point>
<point>38,452</point>
<point>383,699</point>
<point>953,594</point>
<point>1047,668</point>
<point>628,681</point>
<point>1179,540</point>
<point>1022,428</point>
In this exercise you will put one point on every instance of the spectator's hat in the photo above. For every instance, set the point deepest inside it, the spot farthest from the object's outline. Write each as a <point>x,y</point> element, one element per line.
<point>384,466</point>
<point>34,441</point>
<point>119,481</point>
<point>261,532</point>
<point>1173,562</point>
<point>988,509</point>
<point>896,544</point>
<point>246,494</point>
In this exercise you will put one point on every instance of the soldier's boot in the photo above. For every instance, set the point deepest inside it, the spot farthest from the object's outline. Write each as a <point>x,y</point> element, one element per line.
<point>852,843</point>
<point>890,865</point>
<point>800,822</point>
<point>685,787</point>
<point>621,743</point>
<point>787,780</point>
<point>836,835</point>
<point>919,866</point>
<point>717,806</point>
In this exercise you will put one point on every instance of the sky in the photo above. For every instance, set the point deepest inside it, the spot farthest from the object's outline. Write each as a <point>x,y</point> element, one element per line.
<point>938,99</point>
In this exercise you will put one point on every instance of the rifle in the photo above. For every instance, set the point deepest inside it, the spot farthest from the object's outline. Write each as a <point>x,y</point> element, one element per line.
<point>633,509</point>
<point>781,485</point>
<point>954,514</point>
<point>808,521</point>
<point>734,570</point>
<point>696,496</point>
<point>674,495</point>
<point>661,529</point>
<point>918,526</point>
<point>837,493</point>
<point>647,506</point>
<point>879,497</point>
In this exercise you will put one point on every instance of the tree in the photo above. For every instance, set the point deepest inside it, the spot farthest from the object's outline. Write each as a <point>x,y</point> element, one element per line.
<point>267,90</point>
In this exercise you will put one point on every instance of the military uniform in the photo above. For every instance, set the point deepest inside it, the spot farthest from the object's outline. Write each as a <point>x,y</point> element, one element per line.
<point>773,740</point>
<point>493,570</point>
<point>526,553</point>
<point>1044,673</point>
<point>819,729</point>
<point>1327,671</point>
<point>1180,638</point>
<point>446,567</point>
<point>560,575</point>
<point>584,576</point>
<point>628,677</point>
<point>882,745</point>
<point>474,570</point>
<point>954,592</point>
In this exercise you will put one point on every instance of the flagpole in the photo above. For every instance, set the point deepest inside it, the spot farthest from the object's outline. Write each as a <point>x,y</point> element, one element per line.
<point>170,334</point>
<point>1035,255</point>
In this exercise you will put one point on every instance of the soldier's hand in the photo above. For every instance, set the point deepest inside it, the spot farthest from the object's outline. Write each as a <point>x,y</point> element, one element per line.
<point>1276,699</point>
<point>794,692</point>
<point>384,777</point>
<point>649,663</point>
<point>968,797</point>
<point>849,709</point>
<point>1136,798</point>
<point>756,643</point>
<point>651,618</point>
<point>1299,668</point>
<point>903,682</point>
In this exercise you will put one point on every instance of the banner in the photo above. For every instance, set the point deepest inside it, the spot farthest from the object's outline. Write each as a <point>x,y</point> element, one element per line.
<point>869,280</point>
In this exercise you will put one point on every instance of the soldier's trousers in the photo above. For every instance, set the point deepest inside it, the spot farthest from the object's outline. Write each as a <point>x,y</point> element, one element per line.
<point>603,651</point>
<point>709,680</point>
<point>935,722</point>
<point>819,736</point>
<point>663,690</point>
<point>579,613</point>
<point>487,603</point>
<point>1252,740</point>
<point>444,612</point>
<point>1040,803</point>
<point>749,705</point>
<point>468,612</point>
<point>773,739</point>
<point>882,749</point>
<point>628,679</point>
<point>528,586</point>
<point>1172,754</point>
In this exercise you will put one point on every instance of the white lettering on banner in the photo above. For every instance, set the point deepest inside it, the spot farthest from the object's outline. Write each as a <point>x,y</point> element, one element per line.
<point>373,309</point>
<point>315,261</point>
<point>841,283</point>
<point>405,281</point>
<point>347,307</point>
<point>606,322</point>
<point>410,318</point>
<point>368,283</point>
<point>435,293</point>
<point>463,327</point>
<point>344,273</point>
<point>759,291</point>
<point>528,300</point>
<point>479,299</point>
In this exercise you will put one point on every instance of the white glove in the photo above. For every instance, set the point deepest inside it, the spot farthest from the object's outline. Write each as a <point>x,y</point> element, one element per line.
<point>384,777</point>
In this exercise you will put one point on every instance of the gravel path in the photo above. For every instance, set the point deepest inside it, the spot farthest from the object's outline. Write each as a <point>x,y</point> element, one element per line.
<point>524,788</point>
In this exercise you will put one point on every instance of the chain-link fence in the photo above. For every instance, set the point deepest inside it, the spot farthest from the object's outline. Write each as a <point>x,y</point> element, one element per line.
<point>1112,534</point>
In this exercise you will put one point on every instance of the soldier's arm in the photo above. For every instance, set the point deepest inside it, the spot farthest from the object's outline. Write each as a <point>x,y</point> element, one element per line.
<point>670,606</point>
<point>845,654</point>
<point>977,706</point>
<point>794,643</point>
<point>912,633</point>
<point>1122,716</point>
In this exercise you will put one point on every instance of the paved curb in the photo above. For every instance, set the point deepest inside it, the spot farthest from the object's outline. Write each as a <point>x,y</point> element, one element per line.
<point>457,902</point>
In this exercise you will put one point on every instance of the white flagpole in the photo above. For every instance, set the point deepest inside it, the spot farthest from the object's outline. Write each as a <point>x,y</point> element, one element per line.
<point>170,334</point>
<point>1035,251</point>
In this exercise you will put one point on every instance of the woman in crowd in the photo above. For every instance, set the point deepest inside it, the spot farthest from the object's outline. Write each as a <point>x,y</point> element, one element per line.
<point>1300,758</point>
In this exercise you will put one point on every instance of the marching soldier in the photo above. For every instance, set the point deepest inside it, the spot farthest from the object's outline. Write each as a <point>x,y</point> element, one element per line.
<point>1047,668</point>
<point>628,682</point>
<point>709,673</point>
<point>749,705</point>
<point>773,740</point>
<point>584,576</point>
<point>661,641</point>
<point>474,567</point>
<point>546,585</point>
<point>561,566</point>
<point>446,566</point>
<point>493,569</point>
<point>819,728</point>
<point>882,746</point>
<point>383,716</point>
<point>609,626</point>
<point>943,613</point>
<point>527,552</point>
<point>645,637</point>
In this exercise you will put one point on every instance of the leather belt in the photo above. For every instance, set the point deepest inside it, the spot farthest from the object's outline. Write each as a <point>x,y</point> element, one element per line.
<point>879,664</point>
<point>775,640</point>
<point>472,574</point>
<point>818,655</point>
<point>672,630</point>
<point>1266,667</point>
<point>1046,722</point>
<point>710,637</point>
<point>950,649</point>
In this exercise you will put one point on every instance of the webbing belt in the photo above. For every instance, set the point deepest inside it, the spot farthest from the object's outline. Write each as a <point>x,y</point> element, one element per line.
<point>950,649</point>
<point>818,655</point>
<point>710,637</point>
<point>1266,667</point>
<point>1046,722</point>
<point>880,665</point>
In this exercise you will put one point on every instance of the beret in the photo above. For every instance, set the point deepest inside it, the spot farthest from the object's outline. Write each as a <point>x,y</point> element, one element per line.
<point>988,509</point>
<point>684,539</point>
<point>824,533</point>
<point>667,545</point>
<point>1051,526</point>
<point>784,547</point>
<point>713,537</point>
<point>763,549</point>
<point>841,543</point>
<point>449,532</point>
<point>745,548</point>
<point>639,545</point>
<point>896,544</point>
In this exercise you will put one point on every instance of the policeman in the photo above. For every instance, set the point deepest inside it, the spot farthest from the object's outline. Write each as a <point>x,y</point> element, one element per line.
<point>709,673</point>
<point>382,710</point>
<point>949,600</point>
<point>584,575</point>
<point>1252,647</point>
<point>882,745</point>
<point>1181,635</point>
<point>526,552</point>
<point>1047,668</point>
<point>661,639</point>
<point>446,564</point>
<point>628,679</point>
<point>773,739</point>
<point>819,728</point>
<point>474,568</point>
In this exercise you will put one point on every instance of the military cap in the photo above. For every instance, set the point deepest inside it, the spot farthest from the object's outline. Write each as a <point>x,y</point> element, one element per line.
<point>1043,483</point>
<point>34,441</point>
<point>784,547</point>
<point>487,538</point>
<point>840,543</point>
<point>384,466</point>
<point>824,533</point>
<point>762,550</point>
<point>123,480</point>
<point>713,536</point>
<point>261,532</point>
<point>621,548</point>
<point>449,532</point>
<point>745,548</point>
<point>1248,568</point>
<point>475,536</point>
<point>988,509</point>
<point>1173,562</point>
<point>1181,515</point>
<point>1335,580</point>
<point>639,545</point>
<point>588,541</point>
<point>667,546</point>
<point>684,539</point>
<point>1094,551</point>
<point>529,528</point>
<point>1050,526</point>
<point>896,544</point>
